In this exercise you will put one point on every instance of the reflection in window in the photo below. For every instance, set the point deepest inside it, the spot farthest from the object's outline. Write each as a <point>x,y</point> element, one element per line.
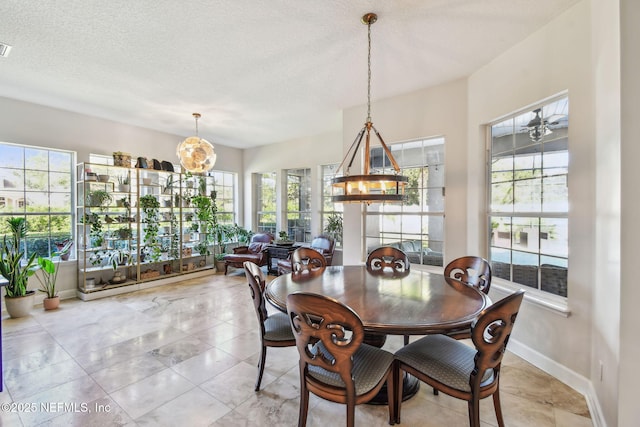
<point>529,200</point>
<point>36,183</point>
<point>417,226</point>
<point>265,185</point>
<point>299,205</point>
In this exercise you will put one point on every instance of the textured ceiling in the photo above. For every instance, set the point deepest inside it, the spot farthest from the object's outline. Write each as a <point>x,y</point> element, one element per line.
<point>258,71</point>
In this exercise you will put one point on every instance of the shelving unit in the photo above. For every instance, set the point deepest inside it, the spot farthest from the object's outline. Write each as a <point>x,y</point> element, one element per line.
<point>144,234</point>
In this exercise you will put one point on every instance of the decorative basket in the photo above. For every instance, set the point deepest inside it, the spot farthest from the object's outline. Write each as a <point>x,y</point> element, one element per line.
<point>122,159</point>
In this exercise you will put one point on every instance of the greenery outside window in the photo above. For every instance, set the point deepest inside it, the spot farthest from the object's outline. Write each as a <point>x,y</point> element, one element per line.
<point>266,202</point>
<point>330,211</point>
<point>36,183</point>
<point>529,203</point>
<point>299,204</point>
<point>417,226</point>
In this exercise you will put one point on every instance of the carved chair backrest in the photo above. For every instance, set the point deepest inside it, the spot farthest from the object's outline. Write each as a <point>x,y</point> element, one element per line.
<point>472,270</point>
<point>307,260</point>
<point>387,257</point>
<point>490,335</point>
<point>338,329</point>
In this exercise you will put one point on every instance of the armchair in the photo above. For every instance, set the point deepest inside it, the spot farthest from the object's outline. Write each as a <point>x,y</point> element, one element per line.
<point>254,253</point>
<point>323,243</point>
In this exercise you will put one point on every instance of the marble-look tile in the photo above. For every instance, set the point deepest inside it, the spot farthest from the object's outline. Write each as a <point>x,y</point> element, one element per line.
<point>242,346</point>
<point>146,395</point>
<point>273,406</point>
<point>48,376</point>
<point>93,361</point>
<point>205,365</point>
<point>100,412</point>
<point>206,329</point>
<point>128,372</point>
<point>236,385</point>
<point>566,398</point>
<point>568,419</point>
<point>531,384</point>
<point>17,343</point>
<point>220,333</point>
<point>35,360</point>
<point>194,408</point>
<point>179,351</point>
<point>66,398</point>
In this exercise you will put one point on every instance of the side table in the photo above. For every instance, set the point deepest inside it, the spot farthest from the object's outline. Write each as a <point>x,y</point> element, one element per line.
<point>276,252</point>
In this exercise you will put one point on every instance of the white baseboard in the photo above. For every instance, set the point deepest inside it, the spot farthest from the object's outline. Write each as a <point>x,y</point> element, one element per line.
<point>562,373</point>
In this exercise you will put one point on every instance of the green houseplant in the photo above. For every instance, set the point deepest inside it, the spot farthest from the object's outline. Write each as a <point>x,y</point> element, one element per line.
<point>49,275</point>
<point>334,227</point>
<point>99,198</point>
<point>151,209</point>
<point>17,299</point>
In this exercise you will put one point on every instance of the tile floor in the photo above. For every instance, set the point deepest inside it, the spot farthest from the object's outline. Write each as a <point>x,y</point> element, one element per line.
<point>186,354</point>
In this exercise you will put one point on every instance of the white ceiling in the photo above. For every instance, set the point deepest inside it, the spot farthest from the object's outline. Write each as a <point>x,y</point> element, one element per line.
<point>258,71</point>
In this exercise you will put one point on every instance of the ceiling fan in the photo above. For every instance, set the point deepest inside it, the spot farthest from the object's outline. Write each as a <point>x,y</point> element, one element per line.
<point>538,127</point>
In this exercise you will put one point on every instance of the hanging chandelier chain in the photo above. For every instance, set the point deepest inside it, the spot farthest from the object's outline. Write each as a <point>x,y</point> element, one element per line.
<point>369,72</point>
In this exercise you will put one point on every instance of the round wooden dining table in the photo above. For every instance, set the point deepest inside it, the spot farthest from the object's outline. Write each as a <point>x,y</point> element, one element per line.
<point>414,302</point>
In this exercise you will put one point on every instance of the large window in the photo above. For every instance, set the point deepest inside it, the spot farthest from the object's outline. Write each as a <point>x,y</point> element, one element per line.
<point>36,183</point>
<point>417,226</point>
<point>331,214</point>
<point>225,186</point>
<point>266,202</point>
<point>299,204</point>
<point>529,197</point>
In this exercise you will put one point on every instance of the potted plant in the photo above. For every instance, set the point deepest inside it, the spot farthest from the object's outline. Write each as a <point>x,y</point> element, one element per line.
<point>124,183</point>
<point>47,279</point>
<point>99,198</point>
<point>17,299</point>
<point>64,256</point>
<point>334,227</point>
<point>284,239</point>
<point>151,209</point>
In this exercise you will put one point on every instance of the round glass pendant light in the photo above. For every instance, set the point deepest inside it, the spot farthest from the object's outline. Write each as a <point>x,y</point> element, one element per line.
<point>196,154</point>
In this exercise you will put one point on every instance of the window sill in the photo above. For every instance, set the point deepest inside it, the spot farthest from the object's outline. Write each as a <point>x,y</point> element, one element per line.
<point>556,304</point>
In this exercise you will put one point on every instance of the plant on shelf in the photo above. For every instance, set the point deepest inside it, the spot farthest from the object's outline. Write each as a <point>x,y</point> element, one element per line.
<point>99,198</point>
<point>174,245</point>
<point>151,209</point>
<point>96,234</point>
<point>119,257</point>
<point>17,273</point>
<point>124,233</point>
<point>124,183</point>
<point>49,275</point>
<point>167,188</point>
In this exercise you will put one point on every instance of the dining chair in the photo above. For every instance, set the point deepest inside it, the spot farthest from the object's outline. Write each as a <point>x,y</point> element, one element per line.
<point>388,259</point>
<point>335,364</point>
<point>459,370</point>
<point>307,260</point>
<point>472,271</point>
<point>275,330</point>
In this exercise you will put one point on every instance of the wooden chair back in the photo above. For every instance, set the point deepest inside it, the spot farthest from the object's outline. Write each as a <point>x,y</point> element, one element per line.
<point>490,335</point>
<point>472,270</point>
<point>386,257</point>
<point>256,280</point>
<point>307,260</point>
<point>318,318</point>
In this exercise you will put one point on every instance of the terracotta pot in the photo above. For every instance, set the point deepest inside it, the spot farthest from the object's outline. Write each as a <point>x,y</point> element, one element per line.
<point>19,306</point>
<point>51,303</point>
